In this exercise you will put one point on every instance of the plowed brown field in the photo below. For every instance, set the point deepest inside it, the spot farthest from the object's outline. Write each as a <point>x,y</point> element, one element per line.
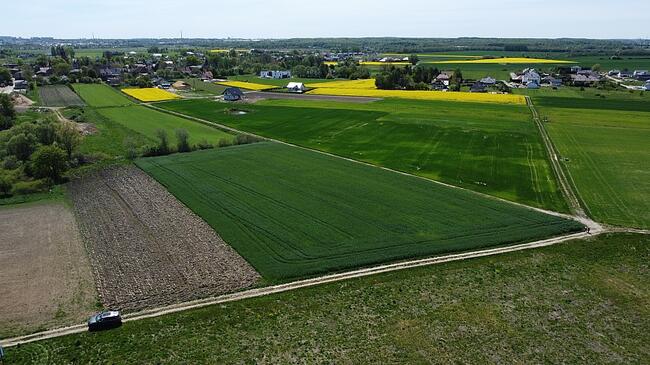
<point>147,249</point>
<point>45,276</point>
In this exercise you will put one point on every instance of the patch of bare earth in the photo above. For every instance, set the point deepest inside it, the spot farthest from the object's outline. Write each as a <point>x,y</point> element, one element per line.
<point>45,276</point>
<point>147,248</point>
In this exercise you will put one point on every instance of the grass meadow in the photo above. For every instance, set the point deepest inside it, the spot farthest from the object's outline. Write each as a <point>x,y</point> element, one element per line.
<point>606,151</point>
<point>493,149</point>
<point>146,121</point>
<point>101,95</point>
<point>589,305</point>
<point>294,213</point>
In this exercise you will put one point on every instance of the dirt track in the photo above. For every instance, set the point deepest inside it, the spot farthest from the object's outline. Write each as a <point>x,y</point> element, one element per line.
<point>147,249</point>
<point>45,276</point>
<point>257,292</point>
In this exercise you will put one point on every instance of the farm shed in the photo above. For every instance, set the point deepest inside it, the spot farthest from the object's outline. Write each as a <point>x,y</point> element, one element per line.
<point>232,94</point>
<point>296,87</point>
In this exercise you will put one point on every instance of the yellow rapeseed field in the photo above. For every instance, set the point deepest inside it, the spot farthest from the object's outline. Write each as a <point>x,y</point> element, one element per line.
<point>150,94</point>
<point>345,84</point>
<point>330,63</point>
<point>375,63</point>
<point>432,55</point>
<point>510,60</point>
<point>247,85</point>
<point>424,95</point>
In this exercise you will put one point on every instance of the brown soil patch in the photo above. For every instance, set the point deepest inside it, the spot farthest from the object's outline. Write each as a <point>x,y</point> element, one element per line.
<point>45,276</point>
<point>147,249</point>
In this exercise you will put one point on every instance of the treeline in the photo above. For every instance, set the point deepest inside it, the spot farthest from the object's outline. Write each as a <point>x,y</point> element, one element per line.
<point>34,154</point>
<point>182,144</point>
<point>408,78</point>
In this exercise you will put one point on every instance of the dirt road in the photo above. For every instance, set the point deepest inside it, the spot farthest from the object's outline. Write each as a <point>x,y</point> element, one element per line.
<point>252,293</point>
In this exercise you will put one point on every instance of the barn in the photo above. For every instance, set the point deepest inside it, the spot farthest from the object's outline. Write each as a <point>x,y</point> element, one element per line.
<point>296,87</point>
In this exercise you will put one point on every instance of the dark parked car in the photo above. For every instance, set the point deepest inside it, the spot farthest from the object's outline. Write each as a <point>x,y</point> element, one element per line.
<point>104,320</point>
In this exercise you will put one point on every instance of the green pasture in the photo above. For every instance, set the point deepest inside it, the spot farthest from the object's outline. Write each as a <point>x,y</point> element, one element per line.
<point>607,155</point>
<point>494,149</point>
<point>207,87</point>
<point>146,122</point>
<point>101,95</point>
<point>576,302</point>
<point>294,213</point>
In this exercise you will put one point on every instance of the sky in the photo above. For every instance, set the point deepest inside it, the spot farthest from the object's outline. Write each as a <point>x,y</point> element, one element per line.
<point>604,19</point>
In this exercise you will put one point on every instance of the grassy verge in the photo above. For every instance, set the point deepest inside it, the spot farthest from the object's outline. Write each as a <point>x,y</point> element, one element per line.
<point>577,302</point>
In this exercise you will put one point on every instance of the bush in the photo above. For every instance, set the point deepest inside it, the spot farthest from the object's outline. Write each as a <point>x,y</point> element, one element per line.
<point>5,185</point>
<point>246,139</point>
<point>225,142</point>
<point>29,187</point>
<point>10,163</point>
<point>49,162</point>
<point>204,145</point>
<point>183,139</point>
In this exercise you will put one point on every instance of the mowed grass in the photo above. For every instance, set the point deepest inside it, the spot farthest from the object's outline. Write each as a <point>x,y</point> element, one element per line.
<point>577,302</point>
<point>146,122</point>
<point>294,213</point>
<point>609,160</point>
<point>493,149</point>
<point>58,95</point>
<point>101,95</point>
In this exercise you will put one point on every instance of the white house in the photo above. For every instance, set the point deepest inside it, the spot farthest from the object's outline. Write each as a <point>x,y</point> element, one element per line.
<point>275,74</point>
<point>647,86</point>
<point>296,87</point>
<point>531,76</point>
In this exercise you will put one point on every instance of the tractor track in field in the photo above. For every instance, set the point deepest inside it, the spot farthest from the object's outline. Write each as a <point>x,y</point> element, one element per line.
<point>561,177</point>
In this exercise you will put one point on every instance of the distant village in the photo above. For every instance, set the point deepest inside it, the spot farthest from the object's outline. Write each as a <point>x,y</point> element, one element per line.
<point>158,69</point>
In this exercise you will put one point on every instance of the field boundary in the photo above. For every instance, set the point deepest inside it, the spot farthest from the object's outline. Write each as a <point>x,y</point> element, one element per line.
<point>263,291</point>
<point>567,188</point>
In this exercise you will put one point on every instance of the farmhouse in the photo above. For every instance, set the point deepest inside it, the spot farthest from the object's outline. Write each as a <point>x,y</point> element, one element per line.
<point>478,87</point>
<point>647,86</point>
<point>530,75</point>
<point>232,94</point>
<point>109,73</point>
<point>489,81</point>
<point>439,85</point>
<point>275,74</point>
<point>532,85</point>
<point>584,79</point>
<point>296,87</point>
<point>551,81</point>
<point>44,71</point>
<point>641,75</point>
<point>20,85</point>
